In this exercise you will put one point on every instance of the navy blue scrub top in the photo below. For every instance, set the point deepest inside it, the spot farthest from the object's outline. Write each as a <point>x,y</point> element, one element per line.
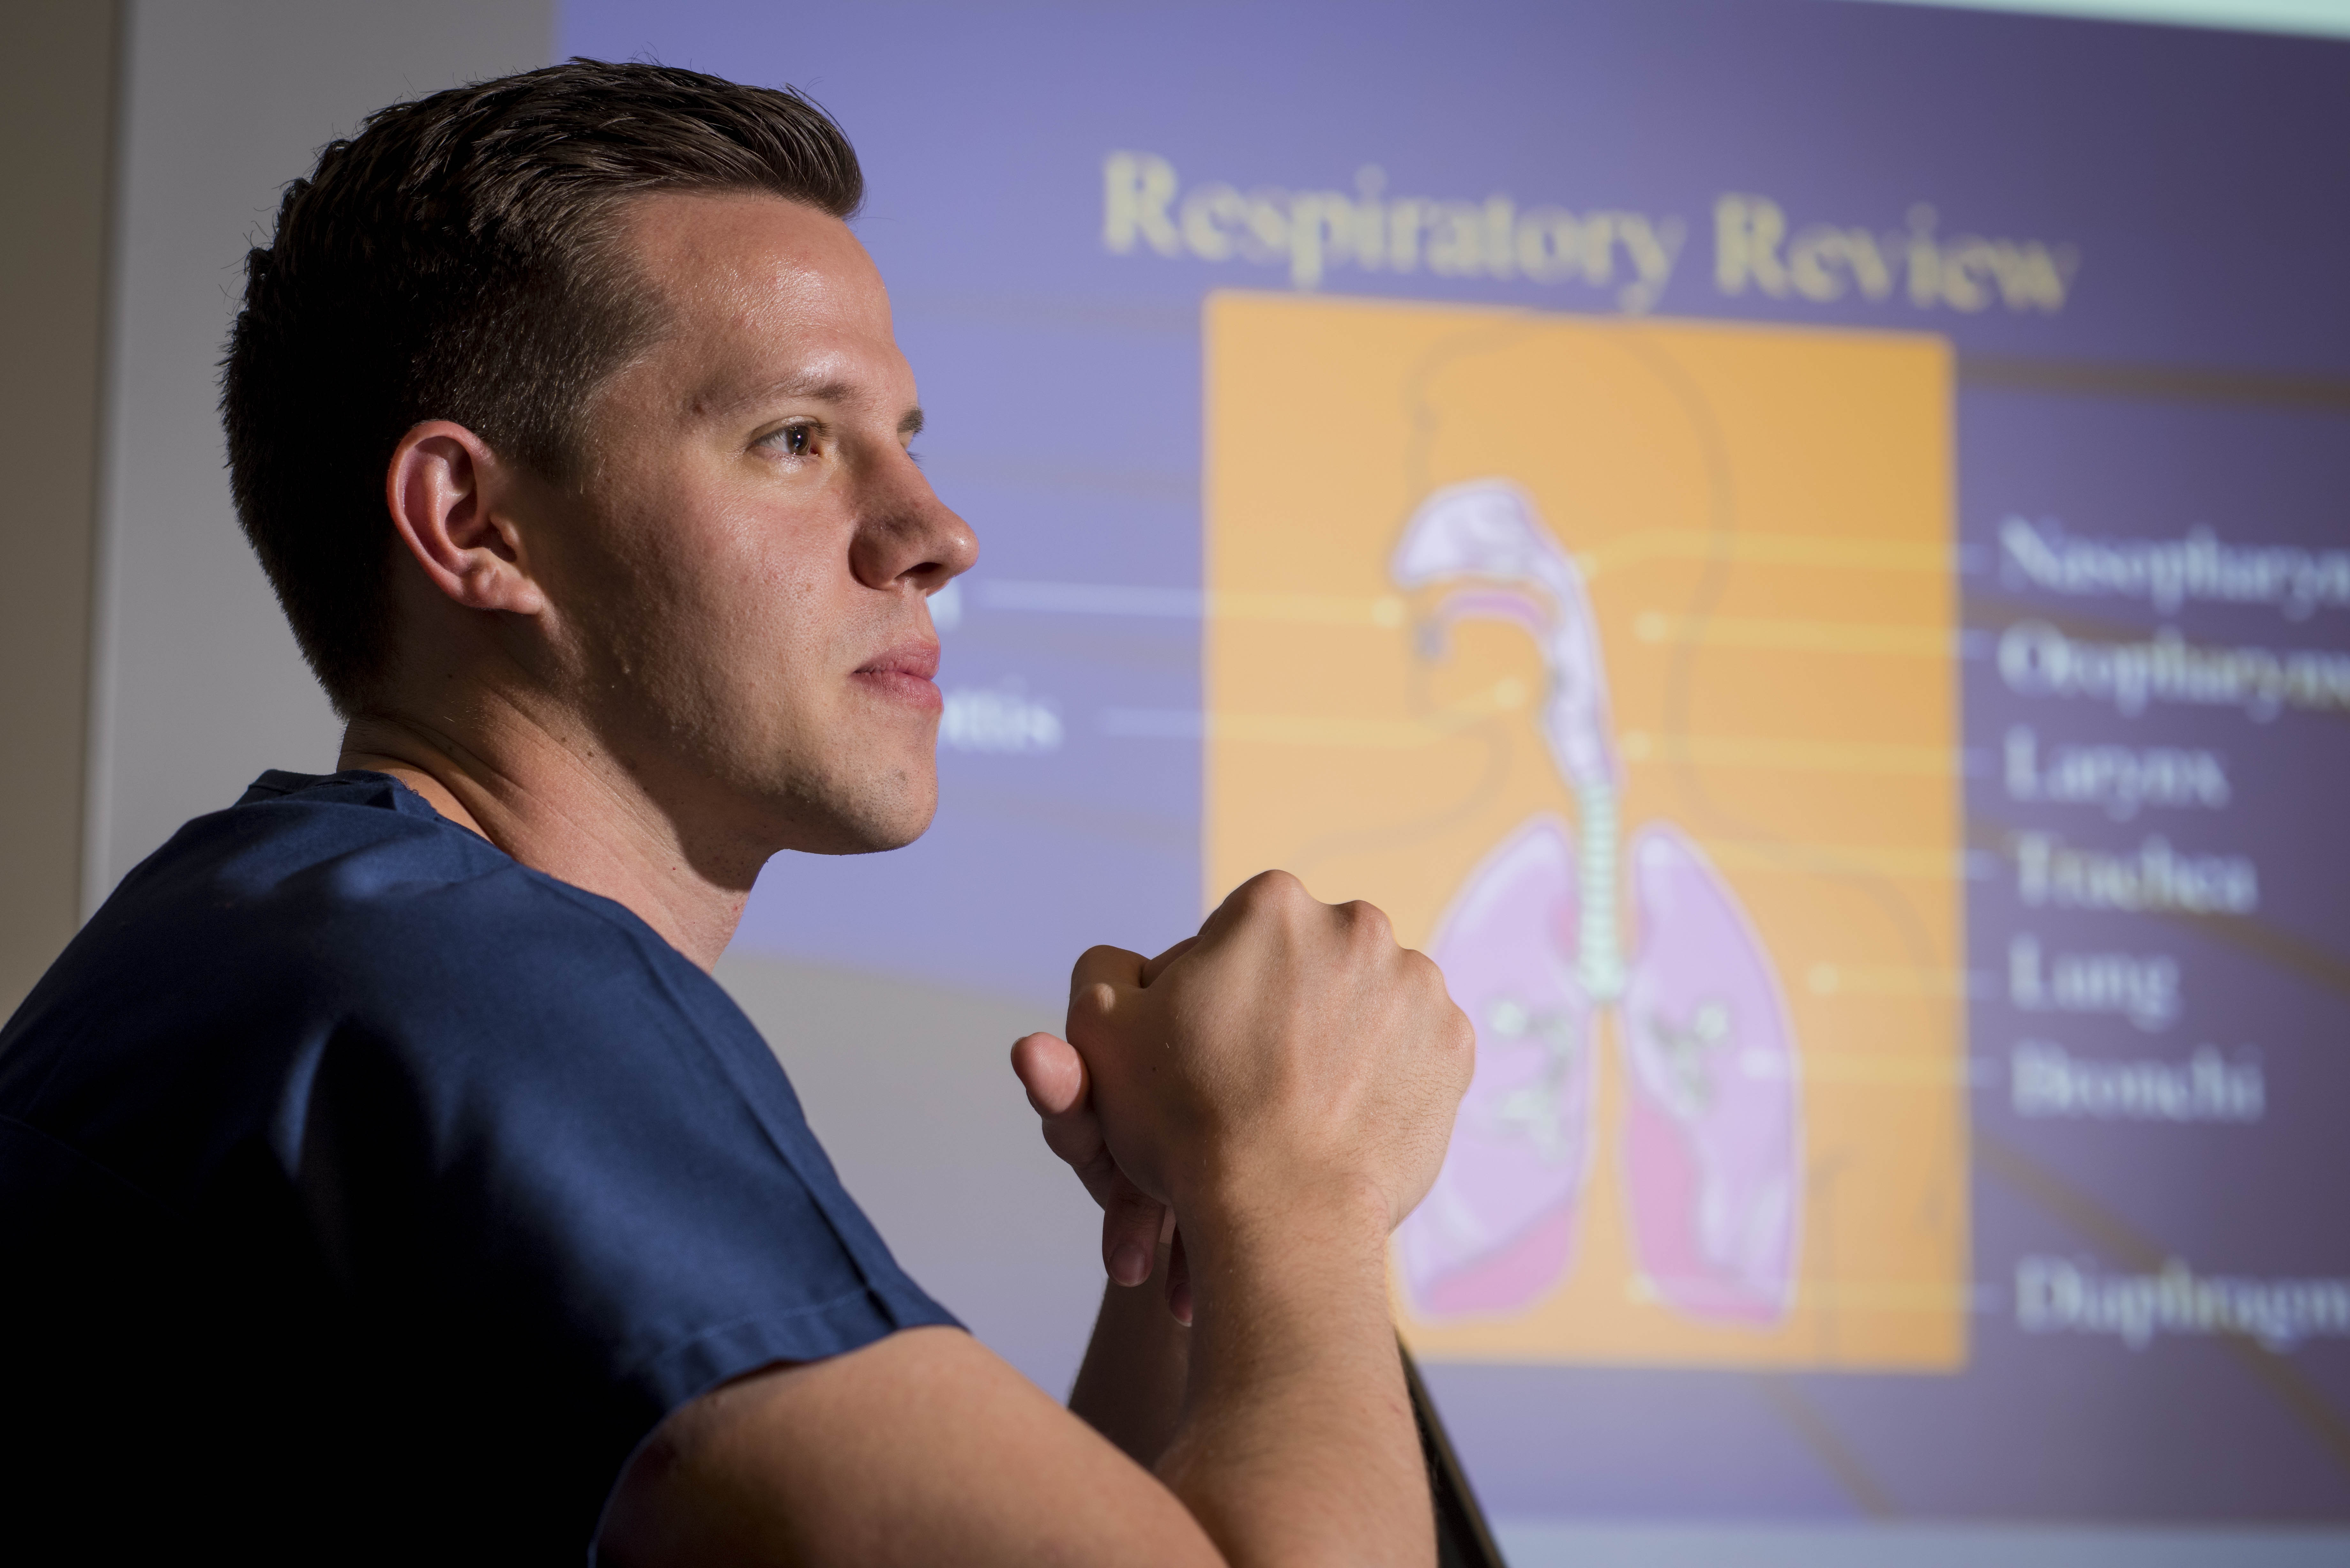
<point>367,1195</point>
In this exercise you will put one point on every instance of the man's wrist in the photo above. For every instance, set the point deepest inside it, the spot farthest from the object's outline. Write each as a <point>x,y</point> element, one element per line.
<point>1324,1237</point>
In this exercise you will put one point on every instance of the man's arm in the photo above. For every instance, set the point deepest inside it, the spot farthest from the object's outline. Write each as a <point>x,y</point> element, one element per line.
<point>922,1449</point>
<point>1285,1087</point>
<point>1129,1388</point>
<point>926,1448</point>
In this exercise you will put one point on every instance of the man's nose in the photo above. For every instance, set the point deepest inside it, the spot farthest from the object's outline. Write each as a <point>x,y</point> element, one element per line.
<point>906,533</point>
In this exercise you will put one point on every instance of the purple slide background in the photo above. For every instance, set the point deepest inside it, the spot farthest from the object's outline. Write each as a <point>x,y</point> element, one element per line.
<point>2202,177</point>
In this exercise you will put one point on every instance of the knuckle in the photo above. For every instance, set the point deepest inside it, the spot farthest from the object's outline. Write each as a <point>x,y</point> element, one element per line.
<point>1091,961</point>
<point>1091,1003</point>
<point>1273,889</point>
<point>1422,972</point>
<point>1461,1047</point>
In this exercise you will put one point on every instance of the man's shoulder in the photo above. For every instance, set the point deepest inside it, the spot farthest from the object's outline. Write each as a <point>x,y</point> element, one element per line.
<point>341,918</point>
<point>351,886</point>
<point>332,1087</point>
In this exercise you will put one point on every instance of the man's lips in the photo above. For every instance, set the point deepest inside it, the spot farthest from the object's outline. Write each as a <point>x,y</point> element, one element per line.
<point>904,672</point>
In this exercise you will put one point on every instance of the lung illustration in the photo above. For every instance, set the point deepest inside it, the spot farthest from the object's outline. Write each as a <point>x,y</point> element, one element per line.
<point>1498,1228</point>
<point>1533,951</point>
<point>1712,1150</point>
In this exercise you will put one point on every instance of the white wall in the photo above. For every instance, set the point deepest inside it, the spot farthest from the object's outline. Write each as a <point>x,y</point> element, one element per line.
<point>197,686</point>
<point>56,117</point>
<point>911,1089</point>
<point>2316,18</point>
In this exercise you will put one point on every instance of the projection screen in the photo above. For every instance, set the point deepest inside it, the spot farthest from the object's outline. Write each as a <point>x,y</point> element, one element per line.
<point>1799,550</point>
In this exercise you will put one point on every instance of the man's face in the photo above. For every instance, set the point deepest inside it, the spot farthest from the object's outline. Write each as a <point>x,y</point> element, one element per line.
<point>745,599</point>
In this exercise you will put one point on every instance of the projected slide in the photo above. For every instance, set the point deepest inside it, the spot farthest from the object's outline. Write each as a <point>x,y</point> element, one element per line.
<point>1799,549</point>
<point>1613,661</point>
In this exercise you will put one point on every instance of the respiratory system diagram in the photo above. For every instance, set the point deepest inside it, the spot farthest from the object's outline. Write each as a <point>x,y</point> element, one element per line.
<point>1533,950</point>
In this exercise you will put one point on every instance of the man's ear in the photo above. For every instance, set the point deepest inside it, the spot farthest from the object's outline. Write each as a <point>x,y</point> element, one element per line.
<point>448,493</point>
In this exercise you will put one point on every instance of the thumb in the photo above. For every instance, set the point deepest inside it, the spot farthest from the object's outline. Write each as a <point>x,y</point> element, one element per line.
<point>1052,1072</point>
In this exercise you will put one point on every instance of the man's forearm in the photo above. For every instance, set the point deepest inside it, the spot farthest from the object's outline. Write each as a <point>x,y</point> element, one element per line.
<point>1130,1385</point>
<point>1296,1444</point>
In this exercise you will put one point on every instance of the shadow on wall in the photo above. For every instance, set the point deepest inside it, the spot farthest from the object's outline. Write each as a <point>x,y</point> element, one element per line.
<point>910,1087</point>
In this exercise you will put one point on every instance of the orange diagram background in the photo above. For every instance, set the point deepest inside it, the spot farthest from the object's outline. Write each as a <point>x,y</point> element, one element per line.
<point>1763,518</point>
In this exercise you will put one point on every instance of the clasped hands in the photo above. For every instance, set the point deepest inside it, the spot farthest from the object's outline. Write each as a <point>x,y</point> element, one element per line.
<point>1288,1067</point>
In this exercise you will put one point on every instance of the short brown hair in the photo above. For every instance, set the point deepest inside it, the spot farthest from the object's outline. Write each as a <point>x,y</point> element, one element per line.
<point>453,260</point>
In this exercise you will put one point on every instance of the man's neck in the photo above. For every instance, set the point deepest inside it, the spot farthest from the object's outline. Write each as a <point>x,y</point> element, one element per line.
<point>577,817</point>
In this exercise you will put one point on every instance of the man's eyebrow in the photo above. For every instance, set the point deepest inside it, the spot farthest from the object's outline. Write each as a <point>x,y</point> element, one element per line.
<point>815,387</point>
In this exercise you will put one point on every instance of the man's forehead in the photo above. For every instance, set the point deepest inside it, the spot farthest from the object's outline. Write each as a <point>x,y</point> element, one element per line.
<point>730,237</point>
<point>766,299</point>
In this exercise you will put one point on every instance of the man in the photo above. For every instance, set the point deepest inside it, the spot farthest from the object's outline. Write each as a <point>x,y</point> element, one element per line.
<point>384,1176</point>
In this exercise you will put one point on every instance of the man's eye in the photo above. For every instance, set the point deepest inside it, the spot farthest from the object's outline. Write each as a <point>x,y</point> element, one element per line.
<point>793,441</point>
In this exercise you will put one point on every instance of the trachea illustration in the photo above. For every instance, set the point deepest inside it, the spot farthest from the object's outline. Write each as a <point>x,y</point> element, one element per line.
<point>1531,949</point>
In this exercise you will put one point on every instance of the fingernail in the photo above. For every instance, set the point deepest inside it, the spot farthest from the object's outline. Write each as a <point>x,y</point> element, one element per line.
<point>1130,1265</point>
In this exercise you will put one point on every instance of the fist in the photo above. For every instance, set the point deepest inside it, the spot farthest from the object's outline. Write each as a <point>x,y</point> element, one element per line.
<point>1291,1053</point>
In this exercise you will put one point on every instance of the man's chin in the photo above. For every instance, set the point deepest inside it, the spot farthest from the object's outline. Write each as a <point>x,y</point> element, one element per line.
<point>868,844</point>
<point>869,825</point>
